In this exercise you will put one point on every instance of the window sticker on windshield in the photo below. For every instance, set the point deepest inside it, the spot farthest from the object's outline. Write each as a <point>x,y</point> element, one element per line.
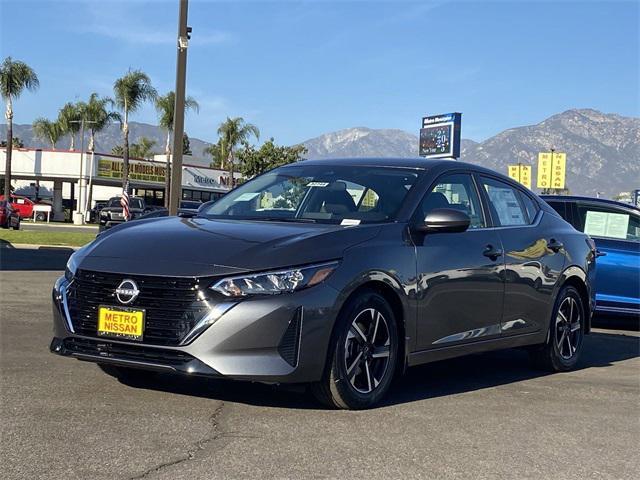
<point>604,224</point>
<point>350,221</point>
<point>317,184</point>
<point>245,197</point>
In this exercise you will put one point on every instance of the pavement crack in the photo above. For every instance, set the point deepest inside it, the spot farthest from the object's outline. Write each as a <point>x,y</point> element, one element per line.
<point>191,452</point>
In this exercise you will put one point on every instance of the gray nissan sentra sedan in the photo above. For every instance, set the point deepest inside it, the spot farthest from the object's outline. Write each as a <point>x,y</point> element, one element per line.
<point>339,274</point>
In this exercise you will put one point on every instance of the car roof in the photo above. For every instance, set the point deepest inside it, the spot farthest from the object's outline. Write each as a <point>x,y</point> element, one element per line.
<point>573,198</point>
<point>398,162</point>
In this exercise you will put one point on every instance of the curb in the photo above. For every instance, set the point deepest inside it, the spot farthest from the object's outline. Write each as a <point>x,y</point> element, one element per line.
<point>28,246</point>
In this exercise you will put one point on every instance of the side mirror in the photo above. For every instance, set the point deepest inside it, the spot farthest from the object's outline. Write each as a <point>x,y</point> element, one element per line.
<point>443,220</point>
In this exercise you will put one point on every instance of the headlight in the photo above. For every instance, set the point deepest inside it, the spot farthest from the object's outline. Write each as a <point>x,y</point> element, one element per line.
<point>272,283</point>
<point>72,264</point>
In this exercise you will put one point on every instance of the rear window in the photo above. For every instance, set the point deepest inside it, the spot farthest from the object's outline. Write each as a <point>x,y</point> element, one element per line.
<point>530,206</point>
<point>560,207</point>
<point>599,221</point>
<point>504,203</point>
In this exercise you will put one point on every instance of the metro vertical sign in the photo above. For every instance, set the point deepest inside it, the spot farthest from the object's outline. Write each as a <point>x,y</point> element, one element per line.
<point>552,169</point>
<point>521,173</point>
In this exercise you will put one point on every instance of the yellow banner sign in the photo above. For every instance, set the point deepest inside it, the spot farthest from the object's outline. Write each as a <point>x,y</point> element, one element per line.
<point>521,173</point>
<point>552,170</point>
<point>144,172</point>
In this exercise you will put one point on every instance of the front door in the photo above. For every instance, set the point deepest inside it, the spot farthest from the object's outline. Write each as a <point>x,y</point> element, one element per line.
<point>460,281</point>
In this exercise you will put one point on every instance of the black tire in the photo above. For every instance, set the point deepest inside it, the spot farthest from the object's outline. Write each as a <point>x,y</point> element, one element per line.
<point>17,225</point>
<point>561,351</point>
<point>129,376</point>
<point>41,216</point>
<point>372,370</point>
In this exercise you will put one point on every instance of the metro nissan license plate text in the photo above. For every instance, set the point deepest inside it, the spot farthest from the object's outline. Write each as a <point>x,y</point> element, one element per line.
<point>120,322</point>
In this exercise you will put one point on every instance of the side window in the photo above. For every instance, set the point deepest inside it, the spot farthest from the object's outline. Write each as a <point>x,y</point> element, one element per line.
<point>598,221</point>
<point>455,191</point>
<point>530,206</point>
<point>560,207</point>
<point>504,203</point>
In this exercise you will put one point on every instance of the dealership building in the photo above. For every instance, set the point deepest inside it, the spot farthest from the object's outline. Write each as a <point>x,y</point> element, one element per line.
<point>75,181</point>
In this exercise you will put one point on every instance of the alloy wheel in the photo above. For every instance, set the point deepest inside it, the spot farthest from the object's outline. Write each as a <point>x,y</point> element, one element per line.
<point>367,350</point>
<point>568,328</point>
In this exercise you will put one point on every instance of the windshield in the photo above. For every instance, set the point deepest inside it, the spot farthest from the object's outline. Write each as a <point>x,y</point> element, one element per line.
<point>133,203</point>
<point>191,205</point>
<point>317,193</point>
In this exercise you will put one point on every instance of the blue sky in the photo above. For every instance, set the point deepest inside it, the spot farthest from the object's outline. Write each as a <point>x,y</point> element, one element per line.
<point>300,69</point>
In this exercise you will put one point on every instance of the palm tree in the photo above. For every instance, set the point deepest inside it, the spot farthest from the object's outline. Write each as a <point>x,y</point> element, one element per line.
<point>97,116</point>
<point>165,105</point>
<point>130,92</point>
<point>233,132</point>
<point>48,131</point>
<point>215,151</point>
<point>69,119</point>
<point>15,76</point>
<point>144,148</point>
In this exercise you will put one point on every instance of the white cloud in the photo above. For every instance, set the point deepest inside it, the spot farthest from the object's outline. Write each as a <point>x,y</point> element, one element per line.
<point>117,21</point>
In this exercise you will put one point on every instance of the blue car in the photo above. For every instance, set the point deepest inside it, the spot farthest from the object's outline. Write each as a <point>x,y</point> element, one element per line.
<point>615,228</point>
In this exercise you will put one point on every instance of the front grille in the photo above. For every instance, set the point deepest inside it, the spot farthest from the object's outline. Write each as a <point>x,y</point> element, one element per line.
<point>172,305</point>
<point>138,353</point>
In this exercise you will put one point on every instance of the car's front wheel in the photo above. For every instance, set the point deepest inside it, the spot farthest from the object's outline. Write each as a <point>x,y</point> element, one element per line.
<point>562,349</point>
<point>363,354</point>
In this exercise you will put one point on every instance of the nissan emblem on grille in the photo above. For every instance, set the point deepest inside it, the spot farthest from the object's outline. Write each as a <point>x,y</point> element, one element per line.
<point>127,291</point>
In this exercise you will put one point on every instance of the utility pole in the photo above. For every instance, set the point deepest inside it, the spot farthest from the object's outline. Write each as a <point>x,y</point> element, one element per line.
<point>178,117</point>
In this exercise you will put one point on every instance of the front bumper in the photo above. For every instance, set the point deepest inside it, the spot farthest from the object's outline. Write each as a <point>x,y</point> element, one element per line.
<point>273,339</point>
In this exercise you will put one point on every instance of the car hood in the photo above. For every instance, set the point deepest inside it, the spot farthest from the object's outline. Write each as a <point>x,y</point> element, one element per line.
<point>176,246</point>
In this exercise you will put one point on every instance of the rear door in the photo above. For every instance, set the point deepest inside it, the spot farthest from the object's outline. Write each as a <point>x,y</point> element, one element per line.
<point>616,231</point>
<point>533,261</point>
<point>460,286</point>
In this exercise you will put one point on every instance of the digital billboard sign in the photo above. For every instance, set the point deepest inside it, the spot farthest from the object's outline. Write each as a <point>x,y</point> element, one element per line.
<point>440,136</point>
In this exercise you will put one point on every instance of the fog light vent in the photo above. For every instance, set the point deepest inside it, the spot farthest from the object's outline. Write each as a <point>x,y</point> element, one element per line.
<point>290,343</point>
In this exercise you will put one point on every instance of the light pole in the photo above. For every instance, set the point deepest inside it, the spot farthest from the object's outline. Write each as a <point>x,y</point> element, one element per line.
<point>178,116</point>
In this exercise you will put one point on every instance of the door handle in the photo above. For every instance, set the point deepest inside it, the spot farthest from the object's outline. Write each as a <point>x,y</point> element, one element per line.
<point>492,252</point>
<point>555,245</point>
<point>600,253</point>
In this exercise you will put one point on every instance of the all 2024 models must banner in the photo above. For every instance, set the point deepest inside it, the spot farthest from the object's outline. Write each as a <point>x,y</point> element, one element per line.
<point>137,171</point>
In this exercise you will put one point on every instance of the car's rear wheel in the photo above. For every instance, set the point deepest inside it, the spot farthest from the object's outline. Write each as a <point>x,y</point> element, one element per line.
<point>362,354</point>
<point>17,225</point>
<point>41,216</point>
<point>562,349</point>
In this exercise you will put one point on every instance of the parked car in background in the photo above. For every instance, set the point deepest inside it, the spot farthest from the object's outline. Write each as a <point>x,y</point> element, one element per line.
<point>335,273</point>
<point>615,228</point>
<point>189,207</point>
<point>112,215</point>
<point>94,213</point>
<point>23,205</point>
<point>9,216</point>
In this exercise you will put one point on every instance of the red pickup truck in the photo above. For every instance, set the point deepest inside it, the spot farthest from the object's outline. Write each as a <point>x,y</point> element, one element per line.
<point>23,205</point>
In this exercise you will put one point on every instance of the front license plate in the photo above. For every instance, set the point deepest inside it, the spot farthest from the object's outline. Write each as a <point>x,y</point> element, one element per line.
<point>121,322</point>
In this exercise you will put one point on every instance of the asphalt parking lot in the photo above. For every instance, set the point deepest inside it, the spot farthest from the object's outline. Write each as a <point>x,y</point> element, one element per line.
<point>486,416</point>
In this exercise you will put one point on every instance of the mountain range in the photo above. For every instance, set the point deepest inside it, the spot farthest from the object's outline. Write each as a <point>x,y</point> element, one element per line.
<point>603,149</point>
